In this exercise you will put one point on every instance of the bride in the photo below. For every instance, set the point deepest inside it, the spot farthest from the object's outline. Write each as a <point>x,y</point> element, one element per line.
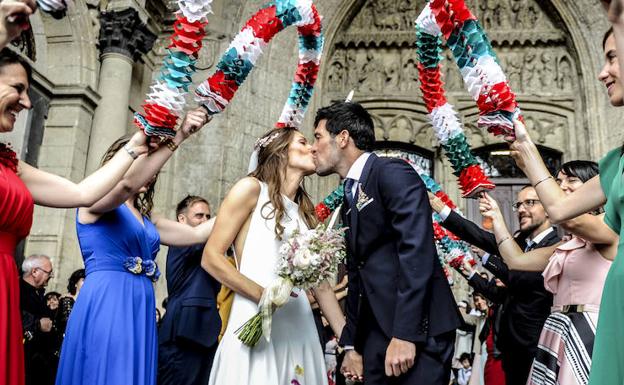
<point>257,215</point>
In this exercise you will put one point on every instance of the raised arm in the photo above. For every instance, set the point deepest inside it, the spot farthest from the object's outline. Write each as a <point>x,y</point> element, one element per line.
<point>232,220</point>
<point>144,168</point>
<point>559,206</point>
<point>515,258</point>
<point>174,233</point>
<point>54,191</point>
<point>462,227</point>
<point>14,19</point>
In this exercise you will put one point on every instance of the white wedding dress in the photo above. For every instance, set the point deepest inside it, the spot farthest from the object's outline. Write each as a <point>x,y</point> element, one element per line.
<point>294,355</point>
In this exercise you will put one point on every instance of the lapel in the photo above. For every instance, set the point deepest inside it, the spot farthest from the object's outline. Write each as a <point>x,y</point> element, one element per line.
<point>354,214</point>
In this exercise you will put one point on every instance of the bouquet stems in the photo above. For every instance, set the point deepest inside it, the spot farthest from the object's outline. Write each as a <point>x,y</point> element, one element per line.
<point>251,331</point>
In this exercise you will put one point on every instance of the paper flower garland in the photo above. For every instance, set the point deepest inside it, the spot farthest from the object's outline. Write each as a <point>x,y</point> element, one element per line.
<point>442,115</point>
<point>165,102</point>
<point>448,244</point>
<point>483,76</point>
<point>240,58</point>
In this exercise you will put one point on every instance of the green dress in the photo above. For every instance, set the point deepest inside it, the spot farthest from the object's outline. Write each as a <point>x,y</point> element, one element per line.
<point>608,356</point>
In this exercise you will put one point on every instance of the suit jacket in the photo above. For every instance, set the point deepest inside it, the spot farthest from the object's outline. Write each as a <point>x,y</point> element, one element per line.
<point>527,303</point>
<point>192,315</point>
<point>391,257</point>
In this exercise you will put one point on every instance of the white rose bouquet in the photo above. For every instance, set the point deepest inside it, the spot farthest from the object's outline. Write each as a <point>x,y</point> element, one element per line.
<point>306,260</point>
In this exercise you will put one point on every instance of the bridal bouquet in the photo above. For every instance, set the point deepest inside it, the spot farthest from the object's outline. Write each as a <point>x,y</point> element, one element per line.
<point>306,259</point>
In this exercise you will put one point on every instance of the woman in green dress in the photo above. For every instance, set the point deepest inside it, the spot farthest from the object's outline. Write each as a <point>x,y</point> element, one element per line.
<point>606,189</point>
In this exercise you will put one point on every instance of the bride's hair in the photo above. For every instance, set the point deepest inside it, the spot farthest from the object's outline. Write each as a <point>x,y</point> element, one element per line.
<point>272,163</point>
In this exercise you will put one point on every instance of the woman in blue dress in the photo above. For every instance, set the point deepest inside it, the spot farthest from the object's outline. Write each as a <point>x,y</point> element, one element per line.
<point>111,334</point>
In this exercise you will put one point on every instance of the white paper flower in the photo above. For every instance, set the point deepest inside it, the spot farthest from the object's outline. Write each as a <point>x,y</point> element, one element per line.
<point>427,22</point>
<point>304,7</point>
<point>195,10</point>
<point>445,122</point>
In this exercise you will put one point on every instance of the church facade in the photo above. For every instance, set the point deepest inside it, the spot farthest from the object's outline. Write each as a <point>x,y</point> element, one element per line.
<point>94,67</point>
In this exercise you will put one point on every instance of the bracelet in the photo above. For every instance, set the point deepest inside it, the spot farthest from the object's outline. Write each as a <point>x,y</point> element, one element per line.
<point>130,151</point>
<point>542,180</point>
<point>170,145</point>
<point>502,240</point>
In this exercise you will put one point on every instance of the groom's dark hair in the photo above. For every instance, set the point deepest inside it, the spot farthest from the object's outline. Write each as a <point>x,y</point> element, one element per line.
<point>351,117</point>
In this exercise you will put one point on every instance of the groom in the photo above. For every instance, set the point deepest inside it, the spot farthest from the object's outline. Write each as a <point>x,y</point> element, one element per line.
<point>401,315</point>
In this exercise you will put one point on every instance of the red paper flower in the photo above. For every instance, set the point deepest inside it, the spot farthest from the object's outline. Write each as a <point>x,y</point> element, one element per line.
<point>456,262</point>
<point>445,198</point>
<point>226,88</point>
<point>322,212</point>
<point>307,73</point>
<point>159,116</point>
<point>472,180</point>
<point>265,23</point>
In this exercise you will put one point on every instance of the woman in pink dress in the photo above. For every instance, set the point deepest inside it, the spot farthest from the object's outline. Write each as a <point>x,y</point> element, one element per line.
<point>575,272</point>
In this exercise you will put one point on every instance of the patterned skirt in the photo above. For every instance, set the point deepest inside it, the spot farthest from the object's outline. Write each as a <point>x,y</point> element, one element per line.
<point>564,350</point>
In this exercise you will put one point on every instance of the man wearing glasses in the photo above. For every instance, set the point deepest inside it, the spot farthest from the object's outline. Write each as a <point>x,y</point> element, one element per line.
<point>39,359</point>
<point>526,303</point>
<point>187,337</point>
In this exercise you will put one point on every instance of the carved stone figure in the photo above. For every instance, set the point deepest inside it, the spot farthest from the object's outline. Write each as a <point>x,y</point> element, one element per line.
<point>392,75</point>
<point>547,72</point>
<point>564,74</point>
<point>353,80</point>
<point>336,76</point>
<point>489,15</point>
<point>372,73</point>
<point>409,77</point>
<point>530,76</point>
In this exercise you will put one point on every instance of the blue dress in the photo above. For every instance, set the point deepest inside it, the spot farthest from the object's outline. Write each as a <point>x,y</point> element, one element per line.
<point>111,332</point>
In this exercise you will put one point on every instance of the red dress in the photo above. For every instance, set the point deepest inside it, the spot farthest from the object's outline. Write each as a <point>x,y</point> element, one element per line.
<point>16,212</point>
<point>493,373</point>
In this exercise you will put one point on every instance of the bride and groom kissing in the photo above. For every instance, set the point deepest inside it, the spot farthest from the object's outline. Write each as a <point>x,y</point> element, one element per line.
<point>400,321</point>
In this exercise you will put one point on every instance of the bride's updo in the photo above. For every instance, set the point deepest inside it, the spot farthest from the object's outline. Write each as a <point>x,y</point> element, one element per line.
<point>272,151</point>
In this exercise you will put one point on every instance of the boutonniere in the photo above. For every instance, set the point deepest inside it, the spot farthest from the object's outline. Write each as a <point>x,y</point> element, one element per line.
<point>363,200</point>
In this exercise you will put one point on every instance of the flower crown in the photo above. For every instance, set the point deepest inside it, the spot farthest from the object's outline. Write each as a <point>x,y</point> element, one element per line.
<point>265,141</point>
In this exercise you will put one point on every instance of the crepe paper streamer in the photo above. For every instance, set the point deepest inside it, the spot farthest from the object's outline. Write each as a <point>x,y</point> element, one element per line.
<point>239,59</point>
<point>483,77</point>
<point>446,125</point>
<point>165,102</point>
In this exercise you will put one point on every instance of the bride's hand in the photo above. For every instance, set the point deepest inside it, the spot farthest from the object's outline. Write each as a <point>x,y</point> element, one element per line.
<point>352,367</point>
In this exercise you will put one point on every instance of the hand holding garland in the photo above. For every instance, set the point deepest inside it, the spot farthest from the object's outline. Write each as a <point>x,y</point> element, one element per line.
<point>515,258</point>
<point>559,206</point>
<point>14,16</point>
<point>145,168</point>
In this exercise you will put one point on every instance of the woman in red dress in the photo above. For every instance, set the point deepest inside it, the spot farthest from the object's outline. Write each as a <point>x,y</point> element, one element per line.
<point>22,185</point>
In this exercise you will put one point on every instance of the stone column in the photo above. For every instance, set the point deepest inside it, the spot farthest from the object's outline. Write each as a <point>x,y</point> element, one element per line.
<point>123,40</point>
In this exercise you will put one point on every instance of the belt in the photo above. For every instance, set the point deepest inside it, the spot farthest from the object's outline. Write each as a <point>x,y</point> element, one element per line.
<point>575,308</point>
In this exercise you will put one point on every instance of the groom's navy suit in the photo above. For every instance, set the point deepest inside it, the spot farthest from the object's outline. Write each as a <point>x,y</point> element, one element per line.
<point>188,334</point>
<point>397,287</point>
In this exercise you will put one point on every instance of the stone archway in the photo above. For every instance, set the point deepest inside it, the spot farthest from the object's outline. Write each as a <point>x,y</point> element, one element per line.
<point>373,53</point>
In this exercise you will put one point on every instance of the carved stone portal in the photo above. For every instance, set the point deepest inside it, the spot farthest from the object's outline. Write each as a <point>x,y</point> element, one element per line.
<point>374,55</point>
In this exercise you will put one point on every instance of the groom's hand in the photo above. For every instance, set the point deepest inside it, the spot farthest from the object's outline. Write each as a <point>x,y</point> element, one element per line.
<point>352,367</point>
<point>400,357</point>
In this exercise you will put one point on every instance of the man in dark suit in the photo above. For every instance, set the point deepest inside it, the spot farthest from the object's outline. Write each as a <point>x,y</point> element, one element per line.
<point>187,337</point>
<point>526,303</point>
<point>401,315</point>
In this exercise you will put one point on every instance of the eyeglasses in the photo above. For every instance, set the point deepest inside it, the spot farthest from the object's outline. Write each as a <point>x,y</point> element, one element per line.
<point>49,273</point>
<point>527,203</point>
